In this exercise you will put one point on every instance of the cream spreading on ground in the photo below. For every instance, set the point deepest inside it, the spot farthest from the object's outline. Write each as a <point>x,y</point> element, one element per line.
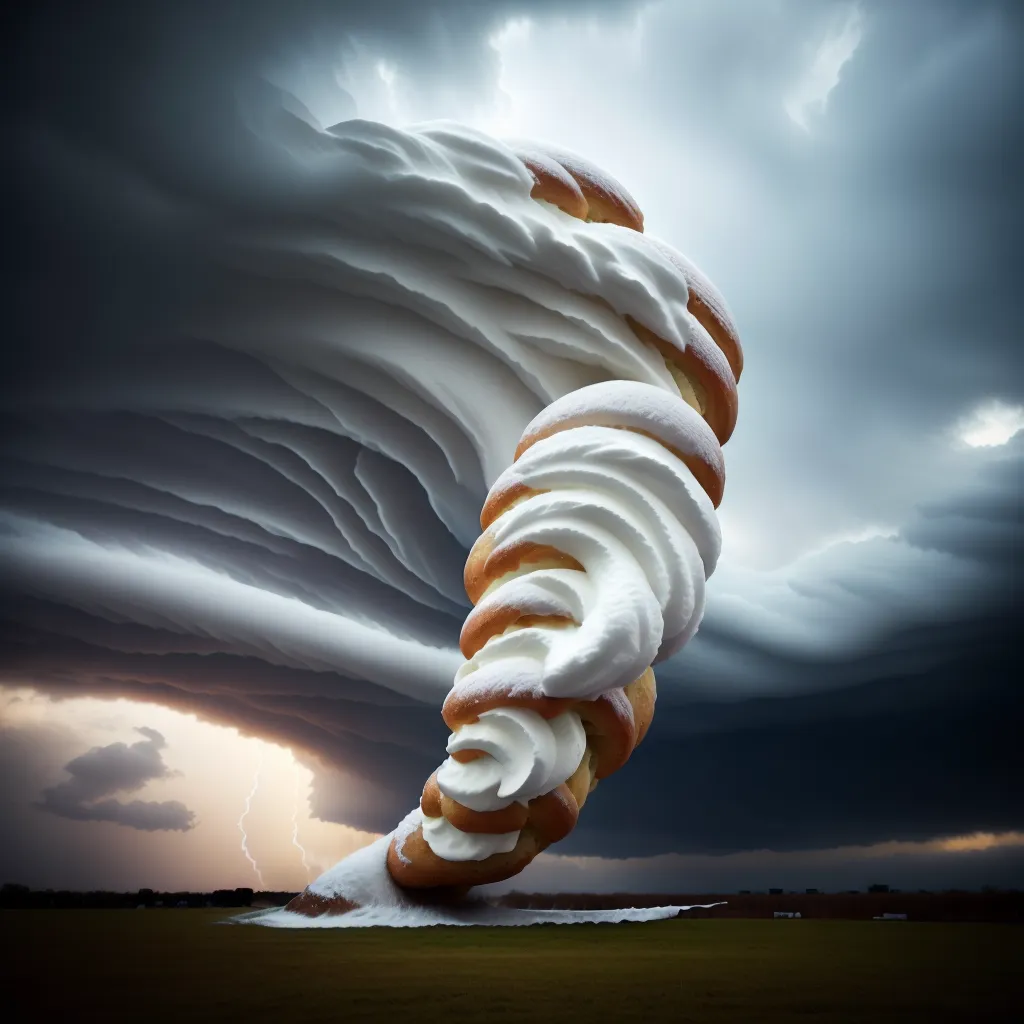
<point>363,879</point>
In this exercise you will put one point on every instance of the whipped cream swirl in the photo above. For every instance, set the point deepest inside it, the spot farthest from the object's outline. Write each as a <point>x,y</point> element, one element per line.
<point>524,756</point>
<point>527,756</point>
<point>634,516</point>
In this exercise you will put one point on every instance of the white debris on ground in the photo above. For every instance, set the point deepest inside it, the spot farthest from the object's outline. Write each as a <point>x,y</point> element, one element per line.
<point>470,914</point>
<point>363,879</point>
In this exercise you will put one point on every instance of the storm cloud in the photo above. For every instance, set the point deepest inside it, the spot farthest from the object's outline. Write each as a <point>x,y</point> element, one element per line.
<point>181,521</point>
<point>102,772</point>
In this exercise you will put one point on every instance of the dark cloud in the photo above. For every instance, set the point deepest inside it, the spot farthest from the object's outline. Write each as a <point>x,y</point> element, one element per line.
<point>985,524</point>
<point>906,868</point>
<point>29,756</point>
<point>118,768</point>
<point>862,694</point>
<point>909,756</point>
<point>759,741</point>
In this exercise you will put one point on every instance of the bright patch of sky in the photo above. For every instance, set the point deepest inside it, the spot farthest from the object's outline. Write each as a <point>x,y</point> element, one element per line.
<point>991,424</point>
<point>811,93</point>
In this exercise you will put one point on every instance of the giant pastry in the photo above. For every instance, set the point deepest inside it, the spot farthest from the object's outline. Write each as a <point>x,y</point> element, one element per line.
<point>590,568</point>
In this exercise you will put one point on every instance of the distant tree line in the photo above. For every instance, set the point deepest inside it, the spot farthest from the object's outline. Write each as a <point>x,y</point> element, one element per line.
<point>21,897</point>
<point>988,905</point>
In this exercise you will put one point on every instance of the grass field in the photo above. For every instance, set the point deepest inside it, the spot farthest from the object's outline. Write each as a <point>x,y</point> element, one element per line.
<point>171,965</point>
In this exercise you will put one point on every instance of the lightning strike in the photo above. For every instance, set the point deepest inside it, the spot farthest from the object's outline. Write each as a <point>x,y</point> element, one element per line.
<point>241,820</point>
<point>295,827</point>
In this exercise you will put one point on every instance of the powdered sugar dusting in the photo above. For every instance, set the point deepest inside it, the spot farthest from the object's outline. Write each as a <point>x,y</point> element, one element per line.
<point>405,828</point>
<point>632,405</point>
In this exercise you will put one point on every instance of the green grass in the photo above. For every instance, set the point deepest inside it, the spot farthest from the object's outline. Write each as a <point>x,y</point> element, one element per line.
<point>175,965</point>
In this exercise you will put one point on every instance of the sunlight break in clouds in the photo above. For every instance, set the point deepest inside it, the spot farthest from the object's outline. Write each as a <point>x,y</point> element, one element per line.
<point>213,775</point>
<point>527,77</point>
<point>812,91</point>
<point>981,841</point>
<point>991,424</point>
<point>506,116</point>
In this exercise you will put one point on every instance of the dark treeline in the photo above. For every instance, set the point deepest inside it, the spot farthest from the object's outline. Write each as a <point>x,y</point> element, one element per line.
<point>21,897</point>
<point>989,905</point>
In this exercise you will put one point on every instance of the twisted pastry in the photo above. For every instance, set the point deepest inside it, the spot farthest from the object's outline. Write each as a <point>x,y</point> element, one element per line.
<point>595,547</point>
<point>591,567</point>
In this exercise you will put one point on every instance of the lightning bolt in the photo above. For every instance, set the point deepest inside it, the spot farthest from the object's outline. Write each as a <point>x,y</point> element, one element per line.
<point>241,820</point>
<point>295,825</point>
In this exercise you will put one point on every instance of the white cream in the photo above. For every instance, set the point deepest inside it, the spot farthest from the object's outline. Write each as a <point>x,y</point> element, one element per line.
<point>634,516</point>
<point>451,843</point>
<point>526,755</point>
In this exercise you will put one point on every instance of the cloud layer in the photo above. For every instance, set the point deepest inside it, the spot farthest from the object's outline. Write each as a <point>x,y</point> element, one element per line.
<point>102,772</point>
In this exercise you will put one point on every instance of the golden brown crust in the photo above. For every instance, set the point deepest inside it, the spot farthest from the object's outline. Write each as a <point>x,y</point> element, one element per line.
<point>461,707</point>
<point>508,819</point>
<point>722,333</point>
<point>613,722</point>
<point>595,197</point>
<point>708,307</point>
<point>708,470</point>
<point>414,865</point>
<point>485,565</point>
<point>483,623</point>
<point>434,804</point>
<point>708,371</point>
<point>582,781</point>
<point>642,696</point>
<point>311,904</point>
<point>553,184</point>
<point>581,190</point>
<point>502,499</point>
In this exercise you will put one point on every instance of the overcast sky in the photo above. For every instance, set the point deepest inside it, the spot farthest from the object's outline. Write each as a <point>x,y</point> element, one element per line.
<point>849,177</point>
